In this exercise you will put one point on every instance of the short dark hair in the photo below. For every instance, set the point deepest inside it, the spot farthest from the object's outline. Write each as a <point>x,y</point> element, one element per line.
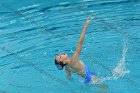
<point>56,62</point>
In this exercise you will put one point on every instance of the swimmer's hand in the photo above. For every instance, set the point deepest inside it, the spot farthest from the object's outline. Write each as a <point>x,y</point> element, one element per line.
<point>87,22</point>
<point>89,19</point>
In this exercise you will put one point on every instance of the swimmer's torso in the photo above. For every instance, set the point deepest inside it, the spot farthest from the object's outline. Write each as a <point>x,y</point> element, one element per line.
<point>77,67</point>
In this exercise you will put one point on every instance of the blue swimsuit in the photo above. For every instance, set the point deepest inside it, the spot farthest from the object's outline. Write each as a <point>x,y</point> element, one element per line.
<point>88,74</point>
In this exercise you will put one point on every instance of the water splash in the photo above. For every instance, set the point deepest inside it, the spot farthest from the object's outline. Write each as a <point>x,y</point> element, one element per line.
<point>118,72</point>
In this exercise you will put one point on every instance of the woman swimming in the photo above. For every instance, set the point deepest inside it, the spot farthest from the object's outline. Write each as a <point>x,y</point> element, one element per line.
<point>74,65</point>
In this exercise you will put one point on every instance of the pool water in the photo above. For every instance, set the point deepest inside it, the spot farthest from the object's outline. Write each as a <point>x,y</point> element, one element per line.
<point>34,32</point>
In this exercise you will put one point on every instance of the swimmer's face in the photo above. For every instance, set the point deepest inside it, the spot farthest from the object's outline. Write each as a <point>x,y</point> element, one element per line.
<point>60,61</point>
<point>62,58</point>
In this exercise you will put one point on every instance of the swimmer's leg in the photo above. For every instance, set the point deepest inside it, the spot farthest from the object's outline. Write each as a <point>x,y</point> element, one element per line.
<point>102,87</point>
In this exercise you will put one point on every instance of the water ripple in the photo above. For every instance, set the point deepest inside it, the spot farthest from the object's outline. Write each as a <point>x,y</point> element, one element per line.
<point>37,31</point>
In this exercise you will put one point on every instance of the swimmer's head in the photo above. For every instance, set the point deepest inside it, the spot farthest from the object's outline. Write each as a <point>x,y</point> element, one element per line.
<point>61,61</point>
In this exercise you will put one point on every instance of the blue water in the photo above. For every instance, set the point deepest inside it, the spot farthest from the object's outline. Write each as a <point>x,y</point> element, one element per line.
<point>33,32</point>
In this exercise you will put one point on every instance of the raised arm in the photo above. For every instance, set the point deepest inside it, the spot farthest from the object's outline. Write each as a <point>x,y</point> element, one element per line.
<point>78,50</point>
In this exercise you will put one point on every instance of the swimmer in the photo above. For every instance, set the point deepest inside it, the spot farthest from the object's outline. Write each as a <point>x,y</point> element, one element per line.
<point>73,64</point>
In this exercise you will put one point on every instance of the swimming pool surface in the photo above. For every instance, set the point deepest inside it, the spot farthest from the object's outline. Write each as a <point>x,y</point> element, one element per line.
<point>33,32</point>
